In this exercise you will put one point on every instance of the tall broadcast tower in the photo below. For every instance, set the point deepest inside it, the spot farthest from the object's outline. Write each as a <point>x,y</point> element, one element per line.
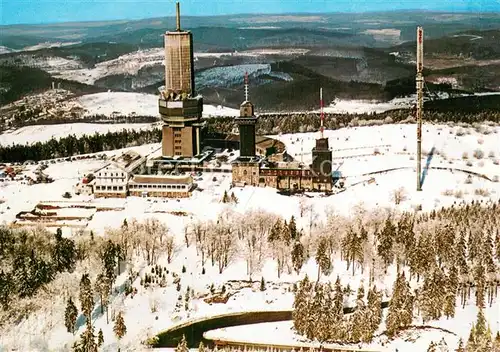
<point>420,102</point>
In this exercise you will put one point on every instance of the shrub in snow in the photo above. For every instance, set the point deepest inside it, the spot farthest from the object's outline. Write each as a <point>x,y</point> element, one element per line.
<point>491,154</point>
<point>460,132</point>
<point>183,269</point>
<point>495,178</point>
<point>465,155</point>
<point>468,180</point>
<point>496,162</point>
<point>448,192</point>
<point>480,141</point>
<point>478,154</point>
<point>469,163</point>
<point>459,194</point>
<point>483,192</point>
<point>398,195</point>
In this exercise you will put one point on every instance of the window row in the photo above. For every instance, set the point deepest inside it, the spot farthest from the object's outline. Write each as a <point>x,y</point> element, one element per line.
<point>110,188</point>
<point>111,174</point>
<point>148,186</point>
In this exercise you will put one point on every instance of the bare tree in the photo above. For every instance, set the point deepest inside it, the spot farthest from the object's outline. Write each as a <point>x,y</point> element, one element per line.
<point>399,195</point>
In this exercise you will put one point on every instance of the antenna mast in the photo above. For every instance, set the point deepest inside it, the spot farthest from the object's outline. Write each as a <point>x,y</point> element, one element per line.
<point>322,114</point>
<point>178,16</point>
<point>420,101</point>
<point>246,86</point>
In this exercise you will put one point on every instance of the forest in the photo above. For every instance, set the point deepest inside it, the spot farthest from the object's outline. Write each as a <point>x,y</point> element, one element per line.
<point>267,124</point>
<point>71,145</point>
<point>439,261</point>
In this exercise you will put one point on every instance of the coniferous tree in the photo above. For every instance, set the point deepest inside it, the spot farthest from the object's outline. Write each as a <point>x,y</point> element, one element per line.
<point>314,321</point>
<point>100,338</point>
<point>480,279</point>
<point>87,341</point>
<point>301,312</point>
<point>352,245</point>
<point>497,245</point>
<point>64,253</point>
<point>460,347</point>
<point>70,315</point>
<point>400,314</point>
<point>119,328</point>
<point>451,293</point>
<point>103,288</point>
<point>234,199</point>
<point>86,297</point>
<point>374,309</point>
<point>225,198</point>
<point>323,257</point>
<point>262,284</point>
<point>337,309</point>
<point>385,239</point>
<point>360,322</point>
<point>298,257</point>
<point>292,228</point>
<point>433,295</point>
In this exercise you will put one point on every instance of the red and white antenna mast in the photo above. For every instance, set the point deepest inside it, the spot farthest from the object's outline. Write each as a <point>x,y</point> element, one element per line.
<point>420,102</point>
<point>322,114</point>
<point>246,86</point>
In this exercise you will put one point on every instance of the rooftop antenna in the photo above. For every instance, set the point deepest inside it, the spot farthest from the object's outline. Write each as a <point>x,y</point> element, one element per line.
<point>246,86</point>
<point>420,99</point>
<point>322,114</point>
<point>178,15</point>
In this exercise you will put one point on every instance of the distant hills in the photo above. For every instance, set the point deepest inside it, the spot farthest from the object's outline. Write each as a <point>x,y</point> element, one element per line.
<point>352,56</point>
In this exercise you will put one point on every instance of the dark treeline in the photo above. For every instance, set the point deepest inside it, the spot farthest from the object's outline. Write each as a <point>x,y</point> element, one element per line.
<point>267,124</point>
<point>71,145</point>
<point>18,123</point>
<point>308,122</point>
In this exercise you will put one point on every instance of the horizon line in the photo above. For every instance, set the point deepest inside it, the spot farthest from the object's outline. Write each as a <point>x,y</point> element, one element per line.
<point>257,14</point>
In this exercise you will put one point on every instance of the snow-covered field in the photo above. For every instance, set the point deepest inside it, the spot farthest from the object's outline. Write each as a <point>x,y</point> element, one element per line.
<point>43,133</point>
<point>140,104</point>
<point>46,328</point>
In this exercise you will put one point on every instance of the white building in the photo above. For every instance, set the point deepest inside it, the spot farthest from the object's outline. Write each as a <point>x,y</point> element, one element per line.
<point>170,186</point>
<point>111,181</point>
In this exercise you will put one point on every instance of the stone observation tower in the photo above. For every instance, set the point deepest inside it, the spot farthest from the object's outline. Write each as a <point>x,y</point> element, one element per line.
<point>246,124</point>
<point>180,108</point>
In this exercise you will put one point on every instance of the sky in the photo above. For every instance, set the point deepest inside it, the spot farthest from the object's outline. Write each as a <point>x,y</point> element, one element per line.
<point>53,11</point>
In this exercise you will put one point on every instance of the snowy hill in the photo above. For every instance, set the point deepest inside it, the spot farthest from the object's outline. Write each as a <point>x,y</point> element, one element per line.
<point>136,104</point>
<point>356,151</point>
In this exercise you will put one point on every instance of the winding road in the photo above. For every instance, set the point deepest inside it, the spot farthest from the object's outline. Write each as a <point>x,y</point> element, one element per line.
<point>194,330</point>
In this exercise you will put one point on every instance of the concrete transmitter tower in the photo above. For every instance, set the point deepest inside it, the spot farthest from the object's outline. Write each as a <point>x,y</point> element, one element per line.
<point>180,108</point>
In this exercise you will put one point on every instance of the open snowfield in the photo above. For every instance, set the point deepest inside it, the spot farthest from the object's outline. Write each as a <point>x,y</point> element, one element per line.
<point>140,104</point>
<point>43,133</point>
<point>46,331</point>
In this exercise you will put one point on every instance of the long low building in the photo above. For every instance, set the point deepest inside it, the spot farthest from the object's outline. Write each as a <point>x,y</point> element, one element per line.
<point>171,186</point>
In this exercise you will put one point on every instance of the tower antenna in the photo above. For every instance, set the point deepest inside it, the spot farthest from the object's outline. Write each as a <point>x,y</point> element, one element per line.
<point>322,114</point>
<point>178,16</point>
<point>246,86</point>
<point>420,101</point>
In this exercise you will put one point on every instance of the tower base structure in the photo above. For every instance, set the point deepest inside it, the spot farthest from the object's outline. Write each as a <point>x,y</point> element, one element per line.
<point>182,126</point>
